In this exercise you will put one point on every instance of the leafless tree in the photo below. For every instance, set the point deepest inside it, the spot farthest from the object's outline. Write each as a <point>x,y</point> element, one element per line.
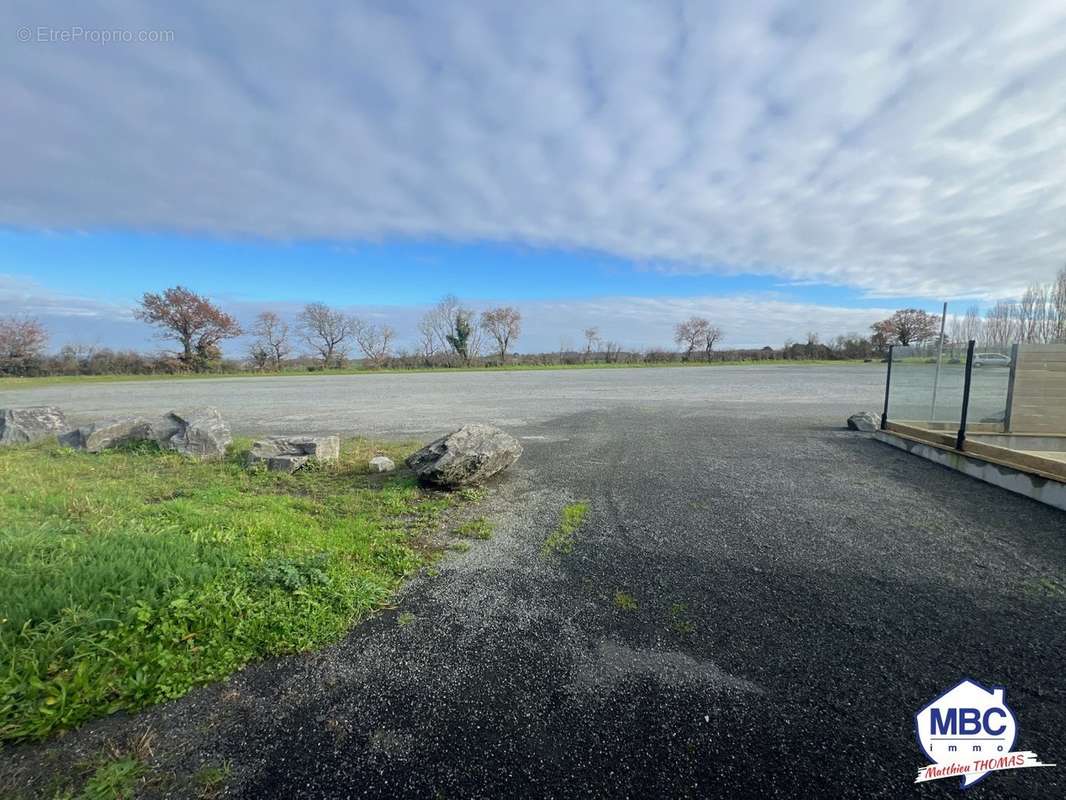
<point>327,332</point>
<point>592,340</point>
<point>697,333</point>
<point>22,341</point>
<point>1058,304</point>
<point>1001,324</point>
<point>451,327</point>
<point>971,324</point>
<point>272,338</point>
<point>374,340</point>
<point>190,319</point>
<point>713,336</point>
<point>504,325</point>
<point>611,351</point>
<point>692,334</point>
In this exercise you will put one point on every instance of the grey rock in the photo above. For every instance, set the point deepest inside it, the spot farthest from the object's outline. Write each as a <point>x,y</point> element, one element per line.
<point>866,421</point>
<point>467,456</point>
<point>199,432</point>
<point>289,453</point>
<point>382,464</point>
<point>100,436</point>
<point>25,425</point>
<point>286,463</point>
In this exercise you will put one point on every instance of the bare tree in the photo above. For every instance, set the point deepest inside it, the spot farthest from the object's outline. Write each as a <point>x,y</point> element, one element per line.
<point>427,340</point>
<point>191,320</point>
<point>612,351</point>
<point>504,324</point>
<point>1058,305</point>
<point>592,339</point>
<point>374,340</point>
<point>713,336</point>
<point>451,328</point>
<point>1001,323</point>
<point>272,338</point>
<point>971,324</point>
<point>692,334</point>
<point>22,341</point>
<point>327,332</point>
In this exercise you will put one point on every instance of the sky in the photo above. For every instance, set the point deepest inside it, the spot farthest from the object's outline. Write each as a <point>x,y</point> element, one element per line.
<point>778,167</point>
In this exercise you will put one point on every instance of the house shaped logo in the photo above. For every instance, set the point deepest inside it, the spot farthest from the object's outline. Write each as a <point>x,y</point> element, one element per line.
<point>968,732</point>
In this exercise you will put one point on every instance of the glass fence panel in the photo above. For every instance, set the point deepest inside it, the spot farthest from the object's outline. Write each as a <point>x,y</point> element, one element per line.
<point>926,391</point>
<point>989,387</point>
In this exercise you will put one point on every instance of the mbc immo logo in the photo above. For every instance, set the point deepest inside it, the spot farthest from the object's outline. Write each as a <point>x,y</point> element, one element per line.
<point>969,732</point>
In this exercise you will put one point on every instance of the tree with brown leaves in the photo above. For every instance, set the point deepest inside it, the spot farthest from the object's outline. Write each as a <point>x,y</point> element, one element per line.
<point>191,320</point>
<point>22,341</point>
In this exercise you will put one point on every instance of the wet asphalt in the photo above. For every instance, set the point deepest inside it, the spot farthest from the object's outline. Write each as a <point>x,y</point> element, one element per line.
<point>798,593</point>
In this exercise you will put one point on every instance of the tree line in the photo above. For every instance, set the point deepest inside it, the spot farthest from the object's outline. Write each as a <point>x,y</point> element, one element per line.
<point>1039,317</point>
<point>452,334</point>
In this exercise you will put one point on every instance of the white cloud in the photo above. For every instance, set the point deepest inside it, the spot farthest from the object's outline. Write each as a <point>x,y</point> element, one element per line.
<point>900,148</point>
<point>634,322</point>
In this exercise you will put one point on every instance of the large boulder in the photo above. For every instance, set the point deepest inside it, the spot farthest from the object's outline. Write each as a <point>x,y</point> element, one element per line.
<point>867,421</point>
<point>100,436</point>
<point>198,432</point>
<point>25,425</point>
<point>289,453</point>
<point>467,456</point>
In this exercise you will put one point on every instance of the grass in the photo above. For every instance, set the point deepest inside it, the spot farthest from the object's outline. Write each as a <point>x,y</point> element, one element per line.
<point>561,540</point>
<point>115,773</point>
<point>679,619</point>
<point>8,383</point>
<point>129,577</point>
<point>625,602</point>
<point>210,780</point>
<point>479,528</point>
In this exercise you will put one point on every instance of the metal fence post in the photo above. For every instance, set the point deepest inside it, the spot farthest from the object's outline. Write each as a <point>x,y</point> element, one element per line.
<point>960,440</point>
<point>888,385</point>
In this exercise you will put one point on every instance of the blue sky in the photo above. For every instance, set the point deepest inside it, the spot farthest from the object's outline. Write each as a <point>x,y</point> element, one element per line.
<point>780,166</point>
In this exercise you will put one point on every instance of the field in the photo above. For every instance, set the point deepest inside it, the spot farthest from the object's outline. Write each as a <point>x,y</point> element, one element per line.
<point>127,578</point>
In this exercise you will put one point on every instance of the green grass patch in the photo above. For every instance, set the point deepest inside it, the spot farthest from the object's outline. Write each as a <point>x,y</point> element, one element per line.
<point>561,540</point>
<point>128,578</point>
<point>679,620</point>
<point>625,602</point>
<point>479,528</point>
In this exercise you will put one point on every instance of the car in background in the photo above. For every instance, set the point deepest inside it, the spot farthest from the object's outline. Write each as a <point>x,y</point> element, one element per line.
<point>991,360</point>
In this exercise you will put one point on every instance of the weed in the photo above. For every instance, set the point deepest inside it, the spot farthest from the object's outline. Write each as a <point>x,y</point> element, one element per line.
<point>471,494</point>
<point>479,528</point>
<point>113,780</point>
<point>561,540</point>
<point>460,546</point>
<point>625,602</point>
<point>406,618</point>
<point>211,779</point>
<point>679,620</point>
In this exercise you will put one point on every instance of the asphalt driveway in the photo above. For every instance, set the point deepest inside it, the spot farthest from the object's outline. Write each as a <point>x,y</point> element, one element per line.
<point>798,593</point>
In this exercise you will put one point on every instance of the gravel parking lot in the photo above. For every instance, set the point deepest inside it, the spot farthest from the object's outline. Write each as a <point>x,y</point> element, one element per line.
<point>424,403</point>
<point>798,593</point>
